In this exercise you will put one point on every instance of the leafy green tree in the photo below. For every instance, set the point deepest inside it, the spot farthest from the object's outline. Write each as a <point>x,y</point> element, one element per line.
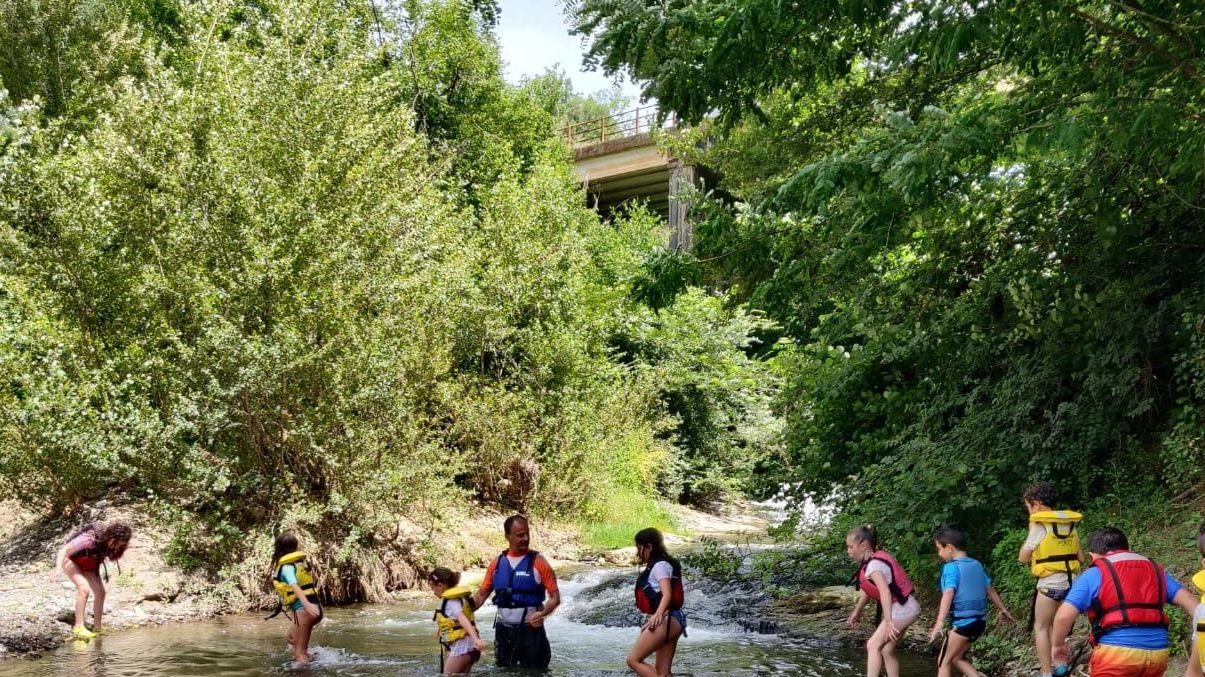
<point>553,91</point>
<point>53,50</point>
<point>712,365</point>
<point>981,224</point>
<point>251,283</point>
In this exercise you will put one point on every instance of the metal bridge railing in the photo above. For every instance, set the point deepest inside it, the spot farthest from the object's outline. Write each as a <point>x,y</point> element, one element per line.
<point>639,120</point>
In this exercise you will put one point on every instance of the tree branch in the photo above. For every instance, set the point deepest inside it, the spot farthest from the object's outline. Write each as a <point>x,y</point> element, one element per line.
<point>1164,26</point>
<point>1143,44</point>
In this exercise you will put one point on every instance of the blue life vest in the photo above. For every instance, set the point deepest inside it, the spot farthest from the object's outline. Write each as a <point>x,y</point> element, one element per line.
<point>970,597</point>
<point>517,587</point>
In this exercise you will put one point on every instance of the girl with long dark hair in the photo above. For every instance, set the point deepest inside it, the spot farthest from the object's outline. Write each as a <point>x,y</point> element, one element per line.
<point>880,579</point>
<point>81,558</point>
<point>297,587</point>
<point>658,594</point>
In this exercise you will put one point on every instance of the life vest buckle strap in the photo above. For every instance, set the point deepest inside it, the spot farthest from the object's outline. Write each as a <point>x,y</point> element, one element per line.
<point>1057,558</point>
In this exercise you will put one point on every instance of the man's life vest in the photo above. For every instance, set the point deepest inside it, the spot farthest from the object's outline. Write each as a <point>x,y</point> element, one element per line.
<point>1059,550</point>
<point>516,587</point>
<point>900,585</point>
<point>450,628</point>
<point>1198,580</point>
<point>648,595</point>
<point>305,579</point>
<point>1132,594</point>
<point>970,597</point>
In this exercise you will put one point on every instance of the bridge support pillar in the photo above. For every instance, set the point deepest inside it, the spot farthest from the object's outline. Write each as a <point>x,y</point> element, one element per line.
<point>683,180</point>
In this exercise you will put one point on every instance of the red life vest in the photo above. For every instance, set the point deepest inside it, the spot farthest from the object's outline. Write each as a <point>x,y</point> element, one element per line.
<point>1132,594</point>
<point>900,585</point>
<point>89,559</point>
<point>648,597</point>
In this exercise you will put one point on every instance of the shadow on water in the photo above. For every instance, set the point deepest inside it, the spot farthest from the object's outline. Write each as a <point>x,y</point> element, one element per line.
<point>590,635</point>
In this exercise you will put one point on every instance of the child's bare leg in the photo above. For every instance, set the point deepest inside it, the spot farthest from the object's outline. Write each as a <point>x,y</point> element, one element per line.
<point>646,644</point>
<point>956,648</point>
<point>965,667</point>
<point>954,655</point>
<point>98,599</point>
<point>82,590</point>
<point>944,667</point>
<point>1044,609</point>
<point>304,624</point>
<point>874,650</point>
<point>458,665</point>
<point>890,663</point>
<point>663,657</point>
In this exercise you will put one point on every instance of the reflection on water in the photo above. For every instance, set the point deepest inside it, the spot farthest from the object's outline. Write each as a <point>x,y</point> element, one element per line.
<point>399,640</point>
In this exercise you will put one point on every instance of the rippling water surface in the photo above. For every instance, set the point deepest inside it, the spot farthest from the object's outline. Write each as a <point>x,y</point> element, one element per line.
<point>590,636</point>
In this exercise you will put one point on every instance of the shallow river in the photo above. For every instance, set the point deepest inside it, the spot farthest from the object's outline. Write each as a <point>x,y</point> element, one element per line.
<point>590,636</point>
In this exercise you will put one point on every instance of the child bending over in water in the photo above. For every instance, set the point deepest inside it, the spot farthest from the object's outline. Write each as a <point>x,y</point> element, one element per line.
<point>81,558</point>
<point>882,579</point>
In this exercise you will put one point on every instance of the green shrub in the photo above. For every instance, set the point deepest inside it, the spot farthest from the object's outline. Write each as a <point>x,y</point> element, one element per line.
<point>1012,579</point>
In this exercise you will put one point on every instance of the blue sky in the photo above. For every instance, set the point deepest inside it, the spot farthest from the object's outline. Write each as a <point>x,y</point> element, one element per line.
<point>534,35</point>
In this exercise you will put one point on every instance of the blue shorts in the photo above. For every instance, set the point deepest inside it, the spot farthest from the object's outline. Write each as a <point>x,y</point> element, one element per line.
<point>680,616</point>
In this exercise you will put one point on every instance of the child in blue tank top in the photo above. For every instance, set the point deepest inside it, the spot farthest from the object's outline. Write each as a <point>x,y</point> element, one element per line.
<point>965,590</point>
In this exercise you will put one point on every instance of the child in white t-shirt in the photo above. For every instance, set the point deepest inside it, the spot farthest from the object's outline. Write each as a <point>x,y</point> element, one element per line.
<point>659,594</point>
<point>455,627</point>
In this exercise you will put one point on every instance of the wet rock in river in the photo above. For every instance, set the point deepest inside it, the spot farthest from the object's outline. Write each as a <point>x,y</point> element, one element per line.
<point>821,599</point>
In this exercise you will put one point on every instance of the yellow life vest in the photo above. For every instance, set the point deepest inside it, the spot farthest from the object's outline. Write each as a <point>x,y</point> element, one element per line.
<point>450,629</point>
<point>1198,580</point>
<point>305,580</point>
<point>1059,550</point>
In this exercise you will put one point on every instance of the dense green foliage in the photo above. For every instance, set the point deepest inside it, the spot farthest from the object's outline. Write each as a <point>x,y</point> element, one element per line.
<point>554,92</point>
<point>296,264</point>
<point>982,224</point>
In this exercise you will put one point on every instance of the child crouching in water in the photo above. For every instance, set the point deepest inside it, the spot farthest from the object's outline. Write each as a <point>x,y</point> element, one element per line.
<point>457,633</point>
<point>81,558</point>
<point>295,583</point>
<point>965,590</point>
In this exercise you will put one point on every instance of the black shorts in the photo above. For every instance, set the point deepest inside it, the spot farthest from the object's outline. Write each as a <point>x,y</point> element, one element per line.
<point>521,646</point>
<point>972,630</point>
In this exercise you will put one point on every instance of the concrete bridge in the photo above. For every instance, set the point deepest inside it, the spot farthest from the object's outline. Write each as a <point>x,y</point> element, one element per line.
<point>618,161</point>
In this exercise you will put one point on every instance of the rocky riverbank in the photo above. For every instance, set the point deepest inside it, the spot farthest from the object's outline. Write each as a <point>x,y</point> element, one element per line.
<point>36,611</point>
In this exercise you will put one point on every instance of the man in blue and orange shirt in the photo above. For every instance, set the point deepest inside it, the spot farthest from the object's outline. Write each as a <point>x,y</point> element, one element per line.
<point>525,592</point>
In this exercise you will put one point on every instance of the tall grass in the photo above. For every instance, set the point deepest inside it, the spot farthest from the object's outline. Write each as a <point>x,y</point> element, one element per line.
<point>612,524</point>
